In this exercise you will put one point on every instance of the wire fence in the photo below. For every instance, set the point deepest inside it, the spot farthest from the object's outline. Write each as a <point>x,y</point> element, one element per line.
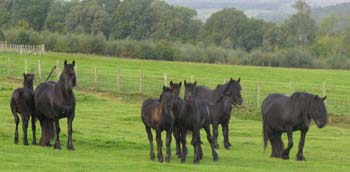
<point>126,81</point>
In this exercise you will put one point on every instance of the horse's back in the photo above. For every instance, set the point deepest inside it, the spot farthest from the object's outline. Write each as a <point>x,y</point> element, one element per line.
<point>203,92</point>
<point>147,108</point>
<point>43,95</point>
<point>22,100</point>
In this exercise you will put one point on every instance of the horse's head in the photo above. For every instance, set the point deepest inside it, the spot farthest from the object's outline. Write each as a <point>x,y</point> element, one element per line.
<point>167,97</point>
<point>28,80</point>
<point>234,88</point>
<point>68,76</point>
<point>318,111</point>
<point>176,88</point>
<point>190,92</point>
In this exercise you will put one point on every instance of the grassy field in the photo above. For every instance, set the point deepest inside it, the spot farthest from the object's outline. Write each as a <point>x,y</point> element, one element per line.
<point>282,80</point>
<point>109,136</point>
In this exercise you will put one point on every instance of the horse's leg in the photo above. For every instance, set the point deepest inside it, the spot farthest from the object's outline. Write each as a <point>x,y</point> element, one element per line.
<point>285,154</point>
<point>195,143</point>
<point>215,135</point>
<point>150,139</point>
<point>177,137</point>
<point>70,131</point>
<point>15,116</point>
<point>276,144</point>
<point>300,156</point>
<point>226,135</point>
<point>211,142</point>
<point>184,147</point>
<point>159,145</point>
<point>34,129</point>
<point>24,128</point>
<point>57,144</point>
<point>168,144</point>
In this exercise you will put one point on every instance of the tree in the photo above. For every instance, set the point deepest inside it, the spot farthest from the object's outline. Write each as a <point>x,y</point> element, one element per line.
<point>300,28</point>
<point>87,17</point>
<point>231,25</point>
<point>5,12</point>
<point>33,11</point>
<point>133,19</point>
<point>55,20</point>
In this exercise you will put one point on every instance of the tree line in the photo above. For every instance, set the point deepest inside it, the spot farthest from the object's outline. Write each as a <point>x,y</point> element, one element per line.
<point>153,29</point>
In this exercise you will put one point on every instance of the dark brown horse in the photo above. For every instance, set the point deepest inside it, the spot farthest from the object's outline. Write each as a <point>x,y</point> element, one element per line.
<point>220,111</point>
<point>195,116</point>
<point>54,101</point>
<point>22,102</point>
<point>282,113</point>
<point>158,114</point>
<point>177,110</point>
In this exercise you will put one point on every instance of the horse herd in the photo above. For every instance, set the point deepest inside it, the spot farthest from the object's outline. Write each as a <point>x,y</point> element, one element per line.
<point>200,108</point>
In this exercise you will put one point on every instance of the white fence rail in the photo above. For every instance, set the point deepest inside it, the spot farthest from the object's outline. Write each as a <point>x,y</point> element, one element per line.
<point>22,49</point>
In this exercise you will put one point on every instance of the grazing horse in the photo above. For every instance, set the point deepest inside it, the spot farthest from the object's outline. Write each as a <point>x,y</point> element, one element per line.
<point>221,111</point>
<point>22,102</point>
<point>282,113</point>
<point>195,116</point>
<point>158,114</point>
<point>177,110</point>
<point>54,101</point>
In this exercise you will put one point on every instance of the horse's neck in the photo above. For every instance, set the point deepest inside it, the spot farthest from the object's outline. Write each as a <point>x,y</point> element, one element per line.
<point>60,90</point>
<point>28,85</point>
<point>164,107</point>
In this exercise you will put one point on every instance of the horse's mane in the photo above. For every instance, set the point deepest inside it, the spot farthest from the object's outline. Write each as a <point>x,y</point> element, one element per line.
<point>302,101</point>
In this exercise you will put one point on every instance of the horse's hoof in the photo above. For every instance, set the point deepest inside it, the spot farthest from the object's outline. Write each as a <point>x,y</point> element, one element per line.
<point>152,156</point>
<point>183,161</point>
<point>285,156</point>
<point>196,162</point>
<point>301,158</point>
<point>26,144</point>
<point>16,141</point>
<point>215,159</point>
<point>228,147</point>
<point>34,143</point>
<point>167,159</point>
<point>70,147</point>
<point>160,158</point>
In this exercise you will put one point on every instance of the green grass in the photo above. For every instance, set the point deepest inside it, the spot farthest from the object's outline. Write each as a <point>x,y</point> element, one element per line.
<point>282,80</point>
<point>109,136</point>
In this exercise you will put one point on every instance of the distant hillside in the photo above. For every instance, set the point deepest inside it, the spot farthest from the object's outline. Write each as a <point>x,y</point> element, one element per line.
<point>340,10</point>
<point>272,10</point>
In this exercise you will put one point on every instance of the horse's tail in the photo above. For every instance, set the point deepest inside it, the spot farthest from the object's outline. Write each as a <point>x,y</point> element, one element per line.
<point>265,134</point>
<point>47,131</point>
<point>264,127</point>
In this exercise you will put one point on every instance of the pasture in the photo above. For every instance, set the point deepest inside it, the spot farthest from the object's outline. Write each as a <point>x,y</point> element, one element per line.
<point>109,135</point>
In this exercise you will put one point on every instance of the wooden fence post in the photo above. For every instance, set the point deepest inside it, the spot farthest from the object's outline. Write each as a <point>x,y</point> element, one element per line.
<point>25,66</point>
<point>39,70</point>
<point>96,79</point>
<point>118,79</point>
<point>324,90</point>
<point>141,82</point>
<point>291,87</point>
<point>9,66</point>
<point>57,70</point>
<point>259,94</point>
<point>165,79</point>
<point>76,75</point>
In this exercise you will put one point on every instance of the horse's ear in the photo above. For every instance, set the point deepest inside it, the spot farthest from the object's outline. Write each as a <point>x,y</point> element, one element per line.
<point>164,87</point>
<point>239,80</point>
<point>24,75</point>
<point>231,80</point>
<point>195,83</point>
<point>180,83</point>
<point>315,97</point>
<point>65,62</point>
<point>324,98</point>
<point>73,63</point>
<point>185,82</point>
<point>171,83</point>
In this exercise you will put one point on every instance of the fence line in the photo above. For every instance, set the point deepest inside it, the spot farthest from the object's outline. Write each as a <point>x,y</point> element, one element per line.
<point>128,81</point>
<point>22,49</point>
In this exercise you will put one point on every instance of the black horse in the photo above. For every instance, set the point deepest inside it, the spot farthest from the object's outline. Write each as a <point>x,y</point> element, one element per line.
<point>22,102</point>
<point>158,114</point>
<point>282,113</point>
<point>177,110</point>
<point>54,101</point>
<point>220,112</point>
<point>195,115</point>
